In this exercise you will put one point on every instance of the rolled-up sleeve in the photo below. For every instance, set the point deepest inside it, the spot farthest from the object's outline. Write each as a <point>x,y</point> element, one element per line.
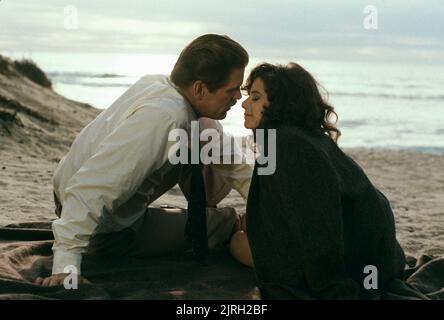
<point>132,151</point>
<point>237,171</point>
<point>237,175</point>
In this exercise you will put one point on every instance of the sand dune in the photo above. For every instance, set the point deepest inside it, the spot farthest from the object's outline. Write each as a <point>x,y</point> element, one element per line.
<point>37,126</point>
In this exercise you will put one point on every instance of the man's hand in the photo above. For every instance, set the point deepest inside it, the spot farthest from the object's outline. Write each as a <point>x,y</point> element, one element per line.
<point>57,280</point>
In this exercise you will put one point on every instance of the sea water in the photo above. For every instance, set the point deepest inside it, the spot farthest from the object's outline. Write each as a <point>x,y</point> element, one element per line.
<point>380,105</point>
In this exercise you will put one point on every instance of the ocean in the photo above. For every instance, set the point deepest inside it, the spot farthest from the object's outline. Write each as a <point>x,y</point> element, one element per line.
<point>380,105</point>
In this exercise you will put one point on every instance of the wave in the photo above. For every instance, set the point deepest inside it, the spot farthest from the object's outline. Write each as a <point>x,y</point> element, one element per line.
<point>89,79</point>
<point>94,84</point>
<point>351,123</point>
<point>86,79</point>
<point>438,97</point>
<point>390,85</point>
<point>84,75</point>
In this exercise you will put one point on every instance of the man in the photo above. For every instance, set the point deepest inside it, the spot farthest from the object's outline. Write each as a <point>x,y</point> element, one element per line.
<point>118,164</point>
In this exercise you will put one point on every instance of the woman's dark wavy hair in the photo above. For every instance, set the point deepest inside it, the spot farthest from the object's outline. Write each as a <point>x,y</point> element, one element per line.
<point>295,99</point>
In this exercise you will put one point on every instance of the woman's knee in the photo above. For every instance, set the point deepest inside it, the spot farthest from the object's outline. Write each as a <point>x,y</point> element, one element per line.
<point>240,248</point>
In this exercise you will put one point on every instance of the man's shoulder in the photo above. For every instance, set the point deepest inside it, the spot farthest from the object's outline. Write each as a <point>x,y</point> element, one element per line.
<point>156,87</point>
<point>159,98</point>
<point>163,108</point>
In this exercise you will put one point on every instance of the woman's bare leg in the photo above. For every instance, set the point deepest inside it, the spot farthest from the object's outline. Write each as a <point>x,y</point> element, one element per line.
<point>240,248</point>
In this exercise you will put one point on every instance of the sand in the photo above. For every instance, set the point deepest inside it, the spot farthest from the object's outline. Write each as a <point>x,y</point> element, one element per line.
<point>38,125</point>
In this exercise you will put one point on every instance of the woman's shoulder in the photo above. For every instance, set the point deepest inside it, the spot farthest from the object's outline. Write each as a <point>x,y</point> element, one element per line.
<point>302,154</point>
<point>295,138</point>
<point>296,145</point>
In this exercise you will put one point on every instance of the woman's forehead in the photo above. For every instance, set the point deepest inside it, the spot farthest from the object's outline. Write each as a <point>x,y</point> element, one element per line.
<point>258,85</point>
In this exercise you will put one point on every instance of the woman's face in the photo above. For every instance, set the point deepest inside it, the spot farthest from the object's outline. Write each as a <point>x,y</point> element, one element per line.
<point>255,104</point>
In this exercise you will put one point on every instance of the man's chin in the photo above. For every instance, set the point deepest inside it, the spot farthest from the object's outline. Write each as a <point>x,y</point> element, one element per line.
<point>220,116</point>
<point>223,116</point>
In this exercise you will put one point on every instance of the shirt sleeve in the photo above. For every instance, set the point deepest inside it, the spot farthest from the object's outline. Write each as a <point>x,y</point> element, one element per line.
<point>132,151</point>
<point>311,203</point>
<point>239,171</point>
<point>237,175</point>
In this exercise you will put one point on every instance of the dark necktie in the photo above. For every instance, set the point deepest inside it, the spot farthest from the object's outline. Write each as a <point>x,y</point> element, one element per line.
<point>196,227</point>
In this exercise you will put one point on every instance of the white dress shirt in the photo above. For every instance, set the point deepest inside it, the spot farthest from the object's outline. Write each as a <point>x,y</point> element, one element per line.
<point>115,163</point>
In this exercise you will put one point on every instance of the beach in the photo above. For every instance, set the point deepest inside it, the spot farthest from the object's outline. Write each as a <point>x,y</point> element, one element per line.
<point>37,126</point>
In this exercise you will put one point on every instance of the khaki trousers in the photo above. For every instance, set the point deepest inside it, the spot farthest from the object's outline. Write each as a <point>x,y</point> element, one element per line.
<point>161,231</point>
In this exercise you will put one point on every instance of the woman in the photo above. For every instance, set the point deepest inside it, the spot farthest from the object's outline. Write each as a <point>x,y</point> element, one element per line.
<point>317,225</point>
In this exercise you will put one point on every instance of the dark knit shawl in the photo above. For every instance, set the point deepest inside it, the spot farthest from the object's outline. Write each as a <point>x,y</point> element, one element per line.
<point>317,222</point>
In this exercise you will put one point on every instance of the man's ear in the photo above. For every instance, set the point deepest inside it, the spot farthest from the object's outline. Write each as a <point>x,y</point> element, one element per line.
<point>199,89</point>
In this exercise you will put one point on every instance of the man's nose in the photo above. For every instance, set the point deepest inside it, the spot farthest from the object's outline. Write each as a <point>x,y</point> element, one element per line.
<point>238,95</point>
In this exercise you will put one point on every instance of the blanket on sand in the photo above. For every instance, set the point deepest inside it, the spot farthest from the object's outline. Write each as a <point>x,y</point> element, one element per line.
<point>25,254</point>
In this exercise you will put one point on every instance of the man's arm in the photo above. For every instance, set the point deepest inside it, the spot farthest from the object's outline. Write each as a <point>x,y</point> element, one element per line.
<point>135,149</point>
<point>238,175</point>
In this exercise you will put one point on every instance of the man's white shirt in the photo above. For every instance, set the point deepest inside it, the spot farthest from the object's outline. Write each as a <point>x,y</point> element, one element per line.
<point>116,162</point>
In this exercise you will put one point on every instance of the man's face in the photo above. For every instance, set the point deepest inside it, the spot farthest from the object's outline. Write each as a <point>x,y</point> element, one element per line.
<point>216,104</point>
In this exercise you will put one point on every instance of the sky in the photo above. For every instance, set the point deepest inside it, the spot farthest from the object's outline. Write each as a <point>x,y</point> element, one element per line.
<point>395,30</point>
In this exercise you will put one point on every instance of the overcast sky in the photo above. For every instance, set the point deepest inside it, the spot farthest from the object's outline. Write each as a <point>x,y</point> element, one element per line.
<point>406,30</point>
